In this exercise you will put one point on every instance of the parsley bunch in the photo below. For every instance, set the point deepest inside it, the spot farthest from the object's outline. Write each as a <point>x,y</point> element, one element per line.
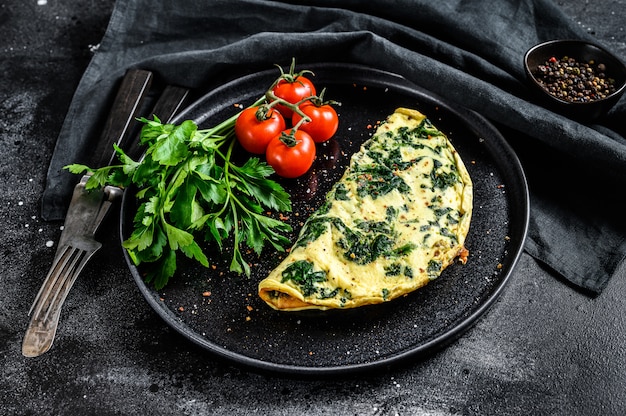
<point>188,186</point>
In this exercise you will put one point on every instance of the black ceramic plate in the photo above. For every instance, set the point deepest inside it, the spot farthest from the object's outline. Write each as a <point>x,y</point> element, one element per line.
<point>235,324</point>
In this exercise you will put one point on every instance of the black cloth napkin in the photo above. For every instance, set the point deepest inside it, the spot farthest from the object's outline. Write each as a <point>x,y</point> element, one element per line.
<point>469,52</point>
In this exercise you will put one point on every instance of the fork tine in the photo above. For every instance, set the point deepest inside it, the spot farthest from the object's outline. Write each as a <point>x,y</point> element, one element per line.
<point>42,328</point>
<point>53,275</point>
<point>65,281</point>
<point>81,258</point>
<point>47,307</point>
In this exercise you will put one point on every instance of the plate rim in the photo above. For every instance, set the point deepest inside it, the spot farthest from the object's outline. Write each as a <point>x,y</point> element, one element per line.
<point>439,341</point>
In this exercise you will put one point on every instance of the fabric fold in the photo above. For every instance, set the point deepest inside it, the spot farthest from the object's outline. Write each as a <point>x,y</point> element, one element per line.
<point>469,53</point>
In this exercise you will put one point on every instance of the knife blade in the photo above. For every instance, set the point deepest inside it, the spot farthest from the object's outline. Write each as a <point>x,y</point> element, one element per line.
<point>126,106</point>
<point>167,106</point>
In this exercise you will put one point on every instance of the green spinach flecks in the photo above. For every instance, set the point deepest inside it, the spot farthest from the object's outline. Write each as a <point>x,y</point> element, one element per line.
<point>378,180</point>
<point>313,229</point>
<point>397,269</point>
<point>345,296</point>
<point>442,179</point>
<point>302,274</point>
<point>326,293</point>
<point>434,268</point>
<point>341,192</point>
<point>393,269</point>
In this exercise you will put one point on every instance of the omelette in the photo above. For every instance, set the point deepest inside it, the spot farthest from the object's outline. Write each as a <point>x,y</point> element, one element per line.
<point>395,220</point>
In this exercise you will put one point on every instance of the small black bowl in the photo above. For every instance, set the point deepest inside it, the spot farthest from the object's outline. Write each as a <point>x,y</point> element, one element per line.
<point>581,51</point>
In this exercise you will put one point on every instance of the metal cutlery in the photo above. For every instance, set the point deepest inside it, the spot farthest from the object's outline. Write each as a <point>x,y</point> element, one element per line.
<point>89,208</point>
<point>76,246</point>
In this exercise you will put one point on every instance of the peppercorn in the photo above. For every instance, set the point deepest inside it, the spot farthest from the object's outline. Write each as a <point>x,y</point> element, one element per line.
<point>570,80</point>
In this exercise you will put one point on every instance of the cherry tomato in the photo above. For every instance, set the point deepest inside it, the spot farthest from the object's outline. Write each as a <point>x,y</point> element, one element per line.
<point>323,124</point>
<point>291,155</point>
<point>293,91</point>
<point>257,126</point>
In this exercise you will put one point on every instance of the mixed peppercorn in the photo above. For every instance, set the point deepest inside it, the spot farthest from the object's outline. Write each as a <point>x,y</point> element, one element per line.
<point>573,81</point>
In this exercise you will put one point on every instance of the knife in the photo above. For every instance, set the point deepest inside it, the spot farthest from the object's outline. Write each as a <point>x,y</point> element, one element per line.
<point>87,211</point>
<point>167,106</point>
<point>126,106</point>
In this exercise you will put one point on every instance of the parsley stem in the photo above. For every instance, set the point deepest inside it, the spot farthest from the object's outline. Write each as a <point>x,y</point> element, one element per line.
<point>176,201</point>
<point>223,129</point>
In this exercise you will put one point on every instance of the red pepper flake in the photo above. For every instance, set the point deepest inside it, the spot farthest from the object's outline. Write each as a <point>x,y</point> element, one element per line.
<point>206,294</point>
<point>552,60</point>
<point>181,309</point>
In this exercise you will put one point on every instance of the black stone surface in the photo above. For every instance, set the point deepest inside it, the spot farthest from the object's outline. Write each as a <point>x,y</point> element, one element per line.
<point>542,349</point>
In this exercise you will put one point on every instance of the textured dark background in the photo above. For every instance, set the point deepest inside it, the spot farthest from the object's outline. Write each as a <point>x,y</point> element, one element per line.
<point>542,349</point>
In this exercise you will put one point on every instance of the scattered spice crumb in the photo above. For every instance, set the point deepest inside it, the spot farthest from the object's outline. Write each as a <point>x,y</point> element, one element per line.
<point>206,294</point>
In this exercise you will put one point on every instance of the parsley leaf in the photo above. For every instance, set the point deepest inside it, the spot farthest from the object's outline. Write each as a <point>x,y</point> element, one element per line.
<point>188,188</point>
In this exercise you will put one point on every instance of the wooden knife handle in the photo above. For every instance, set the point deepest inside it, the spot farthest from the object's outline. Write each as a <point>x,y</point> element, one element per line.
<point>126,106</point>
<point>166,107</point>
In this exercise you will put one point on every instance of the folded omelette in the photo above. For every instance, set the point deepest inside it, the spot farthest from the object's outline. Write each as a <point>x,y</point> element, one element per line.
<point>394,221</point>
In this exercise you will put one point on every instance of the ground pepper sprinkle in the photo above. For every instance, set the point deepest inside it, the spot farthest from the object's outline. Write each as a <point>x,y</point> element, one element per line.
<point>573,81</point>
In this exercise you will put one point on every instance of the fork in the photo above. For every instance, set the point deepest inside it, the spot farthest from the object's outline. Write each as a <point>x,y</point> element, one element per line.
<point>76,247</point>
<point>85,214</point>
<point>87,211</point>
